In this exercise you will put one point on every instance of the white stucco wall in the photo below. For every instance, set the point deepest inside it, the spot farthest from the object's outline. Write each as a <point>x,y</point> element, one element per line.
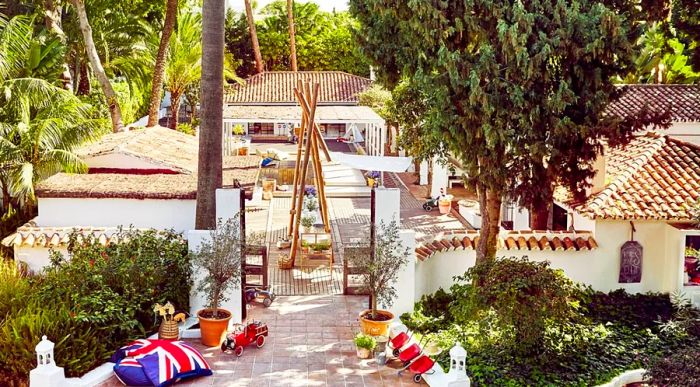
<point>148,213</point>
<point>684,131</point>
<point>36,258</point>
<point>599,268</point>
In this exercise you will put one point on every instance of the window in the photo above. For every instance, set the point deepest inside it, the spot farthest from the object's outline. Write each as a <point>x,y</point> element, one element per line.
<point>332,130</point>
<point>263,128</point>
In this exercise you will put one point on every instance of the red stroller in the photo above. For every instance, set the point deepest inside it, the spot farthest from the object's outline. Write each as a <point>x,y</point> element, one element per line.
<point>421,366</point>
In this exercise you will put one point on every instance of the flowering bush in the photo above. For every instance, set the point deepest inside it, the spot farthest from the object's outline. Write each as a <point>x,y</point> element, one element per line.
<point>373,175</point>
<point>310,191</point>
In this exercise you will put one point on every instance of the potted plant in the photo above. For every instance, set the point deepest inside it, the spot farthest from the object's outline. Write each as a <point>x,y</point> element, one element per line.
<point>307,222</point>
<point>365,344</point>
<point>311,204</point>
<point>380,270</point>
<point>219,260</point>
<point>372,178</point>
<point>168,330</point>
<point>445,204</point>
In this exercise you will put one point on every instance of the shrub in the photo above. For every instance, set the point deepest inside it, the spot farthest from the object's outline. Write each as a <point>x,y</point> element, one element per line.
<point>678,369</point>
<point>116,285</point>
<point>525,298</point>
<point>14,288</point>
<point>620,307</point>
<point>431,313</point>
<point>186,128</point>
<point>80,346</point>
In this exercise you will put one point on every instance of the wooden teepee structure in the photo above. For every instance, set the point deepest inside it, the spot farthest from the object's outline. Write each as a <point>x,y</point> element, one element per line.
<point>310,140</point>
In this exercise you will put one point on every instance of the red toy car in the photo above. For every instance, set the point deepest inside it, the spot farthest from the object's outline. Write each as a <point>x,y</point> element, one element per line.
<point>242,335</point>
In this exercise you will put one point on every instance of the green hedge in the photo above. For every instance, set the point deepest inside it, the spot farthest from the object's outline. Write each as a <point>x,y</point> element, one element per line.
<point>587,339</point>
<point>91,302</point>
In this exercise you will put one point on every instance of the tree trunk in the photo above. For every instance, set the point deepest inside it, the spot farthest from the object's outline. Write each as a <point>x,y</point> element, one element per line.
<point>112,102</point>
<point>175,107</point>
<point>52,21</point>
<point>490,206</point>
<point>253,37</point>
<point>161,58</point>
<point>292,35</point>
<point>539,214</point>
<point>429,187</point>
<point>210,133</point>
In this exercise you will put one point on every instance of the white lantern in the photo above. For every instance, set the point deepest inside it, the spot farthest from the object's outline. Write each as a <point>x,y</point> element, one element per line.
<point>458,360</point>
<point>46,373</point>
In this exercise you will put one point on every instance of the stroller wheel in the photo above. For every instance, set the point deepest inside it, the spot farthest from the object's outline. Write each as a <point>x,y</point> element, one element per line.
<point>396,352</point>
<point>417,378</point>
<point>427,207</point>
<point>267,302</point>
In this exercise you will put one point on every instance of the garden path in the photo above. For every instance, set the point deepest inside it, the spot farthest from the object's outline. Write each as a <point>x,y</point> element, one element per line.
<point>310,344</point>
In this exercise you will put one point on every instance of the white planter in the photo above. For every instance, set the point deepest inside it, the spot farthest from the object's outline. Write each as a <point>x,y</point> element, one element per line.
<point>469,210</point>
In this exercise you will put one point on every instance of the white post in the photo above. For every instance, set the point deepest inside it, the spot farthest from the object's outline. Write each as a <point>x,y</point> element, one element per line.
<point>423,173</point>
<point>228,205</point>
<point>387,206</point>
<point>440,177</point>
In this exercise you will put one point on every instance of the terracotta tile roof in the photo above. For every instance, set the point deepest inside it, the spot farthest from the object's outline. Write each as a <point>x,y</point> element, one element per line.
<point>277,87</point>
<point>510,241</point>
<point>682,100</point>
<point>164,147</point>
<point>654,178</point>
<point>30,235</point>
<point>159,186</point>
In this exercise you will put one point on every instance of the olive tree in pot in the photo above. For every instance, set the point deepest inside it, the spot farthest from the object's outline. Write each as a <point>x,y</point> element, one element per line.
<point>219,259</point>
<point>380,270</point>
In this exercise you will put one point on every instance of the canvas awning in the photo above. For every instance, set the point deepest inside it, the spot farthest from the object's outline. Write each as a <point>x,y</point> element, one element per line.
<point>373,163</point>
<point>278,113</point>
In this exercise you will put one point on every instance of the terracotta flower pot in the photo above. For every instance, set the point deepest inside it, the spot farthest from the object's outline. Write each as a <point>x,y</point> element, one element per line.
<point>376,328</point>
<point>213,329</point>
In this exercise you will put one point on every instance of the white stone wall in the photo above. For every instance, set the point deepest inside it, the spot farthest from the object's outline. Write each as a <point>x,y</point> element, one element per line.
<point>599,268</point>
<point>36,258</point>
<point>109,212</point>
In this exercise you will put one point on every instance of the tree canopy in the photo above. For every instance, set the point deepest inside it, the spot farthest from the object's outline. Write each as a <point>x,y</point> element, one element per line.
<point>516,90</point>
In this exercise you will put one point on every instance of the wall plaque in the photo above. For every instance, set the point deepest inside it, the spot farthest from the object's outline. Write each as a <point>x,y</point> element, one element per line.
<point>631,262</point>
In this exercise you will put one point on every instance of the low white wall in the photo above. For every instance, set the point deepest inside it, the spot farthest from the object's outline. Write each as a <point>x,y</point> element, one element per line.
<point>147,213</point>
<point>599,268</point>
<point>36,258</point>
<point>684,131</point>
<point>440,177</point>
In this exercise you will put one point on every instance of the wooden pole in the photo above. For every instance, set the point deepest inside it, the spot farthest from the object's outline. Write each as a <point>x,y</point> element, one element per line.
<point>307,153</point>
<point>297,167</point>
<point>323,204</point>
<point>320,139</point>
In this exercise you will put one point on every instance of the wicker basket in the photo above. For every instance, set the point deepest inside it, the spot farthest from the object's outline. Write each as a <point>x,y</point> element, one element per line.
<point>169,330</point>
<point>284,262</point>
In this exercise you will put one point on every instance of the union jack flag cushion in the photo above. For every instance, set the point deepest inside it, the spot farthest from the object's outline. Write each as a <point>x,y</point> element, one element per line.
<point>158,363</point>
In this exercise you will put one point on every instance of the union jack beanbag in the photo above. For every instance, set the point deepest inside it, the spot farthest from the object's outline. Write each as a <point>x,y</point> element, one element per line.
<point>158,363</point>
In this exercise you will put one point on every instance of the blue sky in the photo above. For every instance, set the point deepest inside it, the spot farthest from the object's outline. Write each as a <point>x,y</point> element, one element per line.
<point>326,5</point>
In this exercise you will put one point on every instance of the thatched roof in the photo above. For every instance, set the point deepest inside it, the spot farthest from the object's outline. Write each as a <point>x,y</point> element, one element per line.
<point>157,145</point>
<point>157,186</point>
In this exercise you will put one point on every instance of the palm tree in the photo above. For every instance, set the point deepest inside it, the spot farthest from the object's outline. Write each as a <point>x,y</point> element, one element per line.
<point>254,36</point>
<point>112,101</point>
<point>210,152</point>
<point>184,65</point>
<point>292,34</point>
<point>40,127</point>
<point>159,69</point>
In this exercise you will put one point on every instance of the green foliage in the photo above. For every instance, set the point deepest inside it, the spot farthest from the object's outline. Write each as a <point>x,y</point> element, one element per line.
<point>679,369</point>
<point>219,258</point>
<point>115,286</point>
<point>631,310</point>
<point>379,99</point>
<point>365,341</point>
<point>581,346</point>
<point>324,40</point>
<point>100,298</point>
<point>525,297</point>
<point>381,269</point>
<point>14,288</point>
<point>80,346</point>
<point>186,128</point>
